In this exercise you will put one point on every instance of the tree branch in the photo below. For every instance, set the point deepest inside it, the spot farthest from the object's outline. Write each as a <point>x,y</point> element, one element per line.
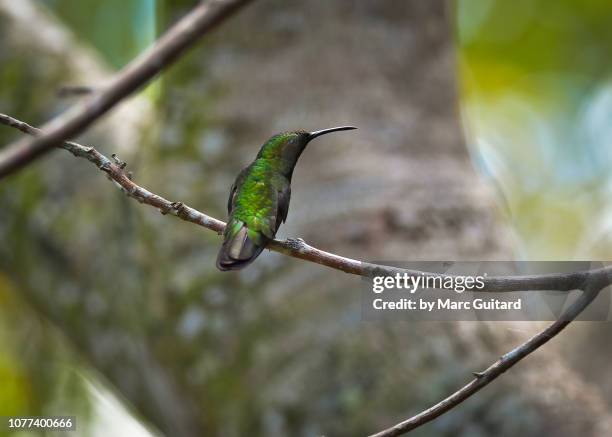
<point>164,52</point>
<point>590,282</point>
<point>496,369</point>
<point>297,248</point>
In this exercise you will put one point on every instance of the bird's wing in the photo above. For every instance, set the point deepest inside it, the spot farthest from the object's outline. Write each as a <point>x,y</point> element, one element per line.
<point>284,195</point>
<point>232,197</point>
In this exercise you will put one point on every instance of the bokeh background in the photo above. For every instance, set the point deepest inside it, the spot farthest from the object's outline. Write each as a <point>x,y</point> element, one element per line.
<point>483,134</point>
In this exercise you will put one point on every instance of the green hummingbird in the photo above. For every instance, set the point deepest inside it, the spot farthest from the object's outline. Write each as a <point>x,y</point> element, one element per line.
<point>259,199</point>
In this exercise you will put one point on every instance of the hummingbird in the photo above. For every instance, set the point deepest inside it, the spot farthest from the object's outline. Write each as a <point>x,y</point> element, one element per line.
<point>259,198</point>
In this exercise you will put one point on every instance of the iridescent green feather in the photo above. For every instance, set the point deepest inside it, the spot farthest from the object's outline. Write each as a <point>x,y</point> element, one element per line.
<point>256,200</point>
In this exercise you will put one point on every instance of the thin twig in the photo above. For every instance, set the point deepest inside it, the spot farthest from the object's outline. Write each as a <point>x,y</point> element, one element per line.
<point>164,52</point>
<point>590,282</point>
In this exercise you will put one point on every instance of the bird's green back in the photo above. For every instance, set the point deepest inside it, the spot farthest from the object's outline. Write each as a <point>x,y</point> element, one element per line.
<point>256,199</point>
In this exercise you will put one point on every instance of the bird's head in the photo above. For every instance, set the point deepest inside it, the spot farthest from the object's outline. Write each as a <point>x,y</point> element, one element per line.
<point>288,146</point>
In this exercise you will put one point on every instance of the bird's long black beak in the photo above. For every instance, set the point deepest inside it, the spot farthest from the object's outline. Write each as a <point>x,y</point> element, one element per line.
<point>318,133</point>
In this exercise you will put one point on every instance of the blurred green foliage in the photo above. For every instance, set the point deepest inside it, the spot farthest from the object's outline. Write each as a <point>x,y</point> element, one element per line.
<point>536,81</point>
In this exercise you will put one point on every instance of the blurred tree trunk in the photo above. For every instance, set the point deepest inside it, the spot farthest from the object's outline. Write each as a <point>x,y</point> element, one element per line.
<point>278,349</point>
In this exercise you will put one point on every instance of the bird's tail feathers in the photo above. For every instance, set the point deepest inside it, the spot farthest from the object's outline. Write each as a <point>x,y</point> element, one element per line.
<point>239,249</point>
